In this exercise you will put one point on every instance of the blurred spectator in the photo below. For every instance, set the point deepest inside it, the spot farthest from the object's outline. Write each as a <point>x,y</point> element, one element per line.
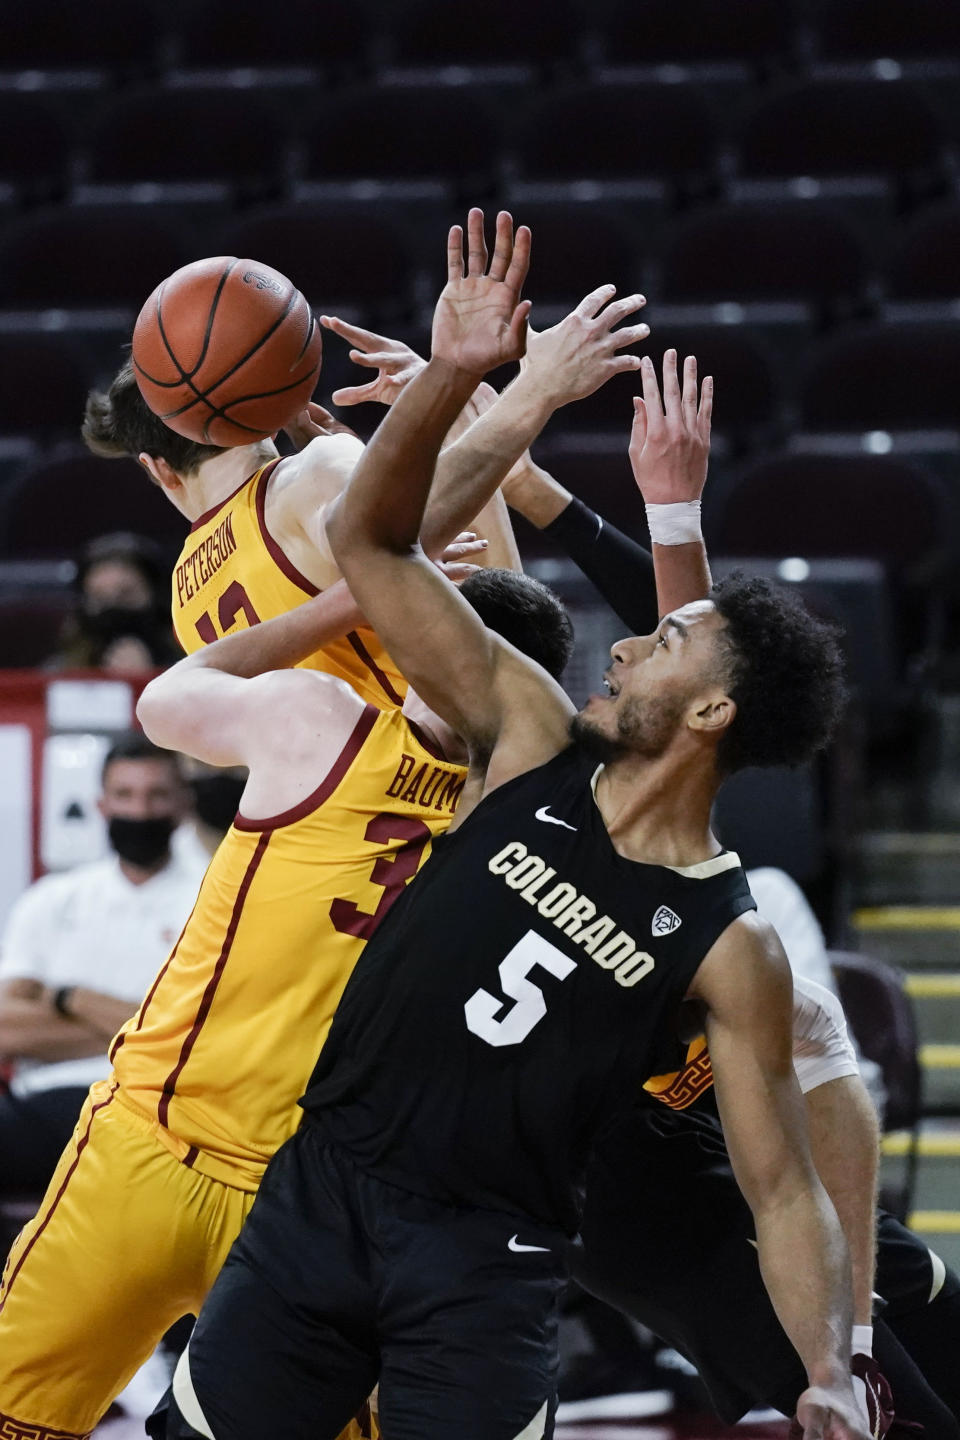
<point>216,799</point>
<point>79,953</point>
<point>122,619</point>
<point>781,901</point>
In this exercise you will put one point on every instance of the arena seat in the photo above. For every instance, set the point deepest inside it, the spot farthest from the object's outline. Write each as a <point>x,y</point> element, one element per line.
<point>748,398</point>
<point>79,257</point>
<point>34,145</point>
<point>878,506</point>
<point>57,506</point>
<point>884,377</point>
<point>881,508</point>
<point>400,137</point>
<point>803,250</point>
<point>925,264</point>
<point>576,248</point>
<point>746,374</point>
<point>862,29</point>
<point>53,407</point>
<point>880,1014</point>
<point>432,33</point>
<point>821,128</point>
<point>657,32</point>
<point>618,134</point>
<point>233,34</point>
<point>229,138</point>
<point>336,255</point>
<point>48,36</point>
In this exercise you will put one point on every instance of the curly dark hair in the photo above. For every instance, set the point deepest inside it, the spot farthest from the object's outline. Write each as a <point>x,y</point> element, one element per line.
<point>118,422</point>
<point>785,673</point>
<point>525,612</point>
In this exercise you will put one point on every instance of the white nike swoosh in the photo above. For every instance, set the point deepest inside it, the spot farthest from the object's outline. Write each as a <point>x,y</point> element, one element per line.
<point>514,1244</point>
<point>544,814</point>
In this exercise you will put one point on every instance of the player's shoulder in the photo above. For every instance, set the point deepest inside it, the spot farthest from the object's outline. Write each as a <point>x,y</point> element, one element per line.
<point>745,963</point>
<point>753,937</point>
<point>300,689</point>
<point>325,464</point>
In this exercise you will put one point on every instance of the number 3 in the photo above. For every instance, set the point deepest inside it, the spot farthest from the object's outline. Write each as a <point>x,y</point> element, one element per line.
<point>514,1026</point>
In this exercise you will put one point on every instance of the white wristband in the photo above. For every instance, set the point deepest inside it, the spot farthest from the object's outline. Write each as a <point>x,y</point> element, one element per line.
<point>677,524</point>
<point>862,1340</point>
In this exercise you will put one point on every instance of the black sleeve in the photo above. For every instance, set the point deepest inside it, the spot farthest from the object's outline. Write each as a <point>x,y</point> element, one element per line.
<point>620,568</point>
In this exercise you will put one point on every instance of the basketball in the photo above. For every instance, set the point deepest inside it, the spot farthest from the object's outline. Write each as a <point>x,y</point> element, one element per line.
<point>226,351</point>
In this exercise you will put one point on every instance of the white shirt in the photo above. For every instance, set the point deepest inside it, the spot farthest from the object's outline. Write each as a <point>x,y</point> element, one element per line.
<point>92,927</point>
<point>781,902</point>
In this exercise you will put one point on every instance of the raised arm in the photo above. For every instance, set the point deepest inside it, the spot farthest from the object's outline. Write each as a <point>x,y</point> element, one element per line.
<point>467,675</point>
<point>669,450</point>
<point>235,703</point>
<point>746,988</point>
<point>563,364</point>
<point>671,465</point>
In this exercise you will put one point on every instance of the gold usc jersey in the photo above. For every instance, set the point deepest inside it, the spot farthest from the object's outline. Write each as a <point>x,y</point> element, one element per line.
<point>224,1043</point>
<point>232,573</point>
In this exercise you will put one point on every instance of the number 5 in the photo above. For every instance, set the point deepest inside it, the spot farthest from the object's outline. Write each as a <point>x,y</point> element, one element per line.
<point>519,1020</point>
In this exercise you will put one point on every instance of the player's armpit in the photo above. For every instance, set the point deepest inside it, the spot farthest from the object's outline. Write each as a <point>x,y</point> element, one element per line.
<point>746,987</point>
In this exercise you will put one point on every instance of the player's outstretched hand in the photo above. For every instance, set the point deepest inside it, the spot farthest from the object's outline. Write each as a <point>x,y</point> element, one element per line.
<point>480,321</point>
<point>573,359</point>
<point>396,364</point>
<point>670,440</point>
<point>829,1414</point>
<point>312,422</point>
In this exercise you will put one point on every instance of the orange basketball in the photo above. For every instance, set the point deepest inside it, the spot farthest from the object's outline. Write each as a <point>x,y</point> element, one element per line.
<point>226,351</point>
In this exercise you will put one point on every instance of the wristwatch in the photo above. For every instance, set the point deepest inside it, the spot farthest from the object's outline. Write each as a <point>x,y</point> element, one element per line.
<point>61,1001</point>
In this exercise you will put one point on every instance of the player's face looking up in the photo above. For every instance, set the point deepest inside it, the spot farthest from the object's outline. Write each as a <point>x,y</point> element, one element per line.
<point>661,685</point>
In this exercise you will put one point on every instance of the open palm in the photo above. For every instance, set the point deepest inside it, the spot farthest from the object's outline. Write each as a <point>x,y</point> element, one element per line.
<point>480,321</point>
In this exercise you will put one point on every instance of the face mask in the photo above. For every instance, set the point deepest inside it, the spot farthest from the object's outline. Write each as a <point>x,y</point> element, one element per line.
<point>217,800</point>
<point>141,842</point>
<point>114,622</point>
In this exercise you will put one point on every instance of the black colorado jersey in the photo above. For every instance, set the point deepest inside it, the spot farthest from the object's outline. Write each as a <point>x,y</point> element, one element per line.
<point>507,1009</point>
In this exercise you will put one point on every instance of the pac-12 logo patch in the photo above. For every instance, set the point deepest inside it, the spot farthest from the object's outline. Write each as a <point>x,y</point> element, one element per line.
<point>665,921</point>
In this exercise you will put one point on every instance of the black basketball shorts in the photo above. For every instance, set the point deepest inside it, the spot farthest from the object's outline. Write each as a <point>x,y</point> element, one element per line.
<point>339,1280</point>
<point>668,1239</point>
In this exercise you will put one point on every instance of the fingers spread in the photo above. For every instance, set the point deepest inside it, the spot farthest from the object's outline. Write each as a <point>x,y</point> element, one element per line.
<point>518,324</point>
<point>690,391</point>
<point>374,360</point>
<point>651,393</point>
<point>620,309</point>
<point>476,244</point>
<point>502,247</point>
<point>591,304</point>
<point>354,333</point>
<point>629,335</point>
<point>354,394</point>
<point>620,363</point>
<point>519,259</point>
<point>638,432</point>
<point>455,253</point>
<point>671,385</point>
<point>705,413</point>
